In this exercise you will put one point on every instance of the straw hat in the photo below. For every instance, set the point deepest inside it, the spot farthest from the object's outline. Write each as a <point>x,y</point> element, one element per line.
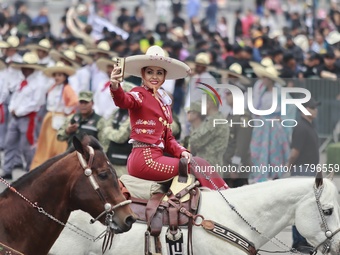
<point>333,37</point>
<point>68,55</point>
<point>236,71</point>
<point>202,59</point>
<point>82,52</point>
<point>11,42</point>
<point>266,62</point>
<point>102,63</point>
<point>43,44</point>
<point>59,67</point>
<point>268,72</point>
<point>155,56</point>
<point>103,47</point>
<point>29,60</point>
<point>302,42</point>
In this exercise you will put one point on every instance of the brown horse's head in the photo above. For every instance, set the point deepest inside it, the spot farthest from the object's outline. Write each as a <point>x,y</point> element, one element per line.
<point>96,189</point>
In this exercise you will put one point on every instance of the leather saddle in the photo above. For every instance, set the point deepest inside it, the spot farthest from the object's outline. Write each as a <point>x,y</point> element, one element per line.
<point>163,206</point>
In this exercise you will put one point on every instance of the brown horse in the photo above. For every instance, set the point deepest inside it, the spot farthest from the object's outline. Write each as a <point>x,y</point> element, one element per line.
<point>59,186</point>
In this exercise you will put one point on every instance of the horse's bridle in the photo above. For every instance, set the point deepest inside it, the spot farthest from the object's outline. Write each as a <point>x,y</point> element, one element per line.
<point>328,233</point>
<point>108,208</point>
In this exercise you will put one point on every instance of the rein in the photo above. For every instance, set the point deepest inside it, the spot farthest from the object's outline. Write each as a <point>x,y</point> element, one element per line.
<point>233,208</point>
<point>108,208</point>
<point>329,234</point>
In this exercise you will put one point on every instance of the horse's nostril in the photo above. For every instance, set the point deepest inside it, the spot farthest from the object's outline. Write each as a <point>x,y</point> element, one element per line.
<point>130,220</point>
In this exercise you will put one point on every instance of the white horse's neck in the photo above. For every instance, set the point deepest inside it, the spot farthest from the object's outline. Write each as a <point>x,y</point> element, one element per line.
<point>269,207</point>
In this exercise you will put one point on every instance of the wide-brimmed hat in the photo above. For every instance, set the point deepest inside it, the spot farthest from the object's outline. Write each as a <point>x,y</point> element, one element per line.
<point>333,37</point>
<point>68,55</point>
<point>29,60</point>
<point>11,42</point>
<point>102,63</point>
<point>268,72</point>
<point>103,47</point>
<point>155,56</point>
<point>236,71</point>
<point>266,62</point>
<point>43,44</point>
<point>203,59</point>
<point>82,52</point>
<point>302,42</point>
<point>59,67</point>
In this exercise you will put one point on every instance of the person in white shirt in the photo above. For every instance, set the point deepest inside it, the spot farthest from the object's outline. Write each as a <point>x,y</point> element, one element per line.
<point>24,105</point>
<point>98,76</point>
<point>102,97</point>
<point>11,78</point>
<point>84,72</point>
<point>68,57</point>
<point>4,95</point>
<point>42,49</point>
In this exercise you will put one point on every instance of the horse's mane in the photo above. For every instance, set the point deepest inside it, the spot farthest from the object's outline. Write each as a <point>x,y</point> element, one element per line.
<point>40,169</point>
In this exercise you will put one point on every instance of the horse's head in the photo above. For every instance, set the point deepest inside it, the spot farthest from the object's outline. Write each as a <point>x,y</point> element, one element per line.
<point>318,216</point>
<point>96,190</point>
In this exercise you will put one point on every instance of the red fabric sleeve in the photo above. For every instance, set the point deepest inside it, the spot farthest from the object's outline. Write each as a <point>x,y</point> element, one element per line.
<point>172,146</point>
<point>126,100</point>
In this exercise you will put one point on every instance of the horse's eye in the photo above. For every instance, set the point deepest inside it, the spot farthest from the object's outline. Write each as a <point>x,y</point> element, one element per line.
<point>328,212</point>
<point>103,175</point>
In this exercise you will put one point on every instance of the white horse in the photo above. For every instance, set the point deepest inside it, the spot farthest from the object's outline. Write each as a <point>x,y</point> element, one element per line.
<point>269,207</point>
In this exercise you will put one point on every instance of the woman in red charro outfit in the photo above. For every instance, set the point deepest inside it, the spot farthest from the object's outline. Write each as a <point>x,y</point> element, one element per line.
<point>151,117</point>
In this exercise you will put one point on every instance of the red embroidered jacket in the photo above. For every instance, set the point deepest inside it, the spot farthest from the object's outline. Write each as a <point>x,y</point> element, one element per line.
<point>150,120</point>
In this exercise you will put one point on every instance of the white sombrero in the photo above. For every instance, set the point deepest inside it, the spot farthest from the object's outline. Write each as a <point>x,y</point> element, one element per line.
<point>302,42</point>
<point>82,52</point>
<point>68,55</point>
<point>29,60</point>
<point>59,67</point>
<point>11,42</point>
<point>155,56</point>
<point>236,71</point>
<point>43,44</point>
<point>268,72</point>
<point>102,63</point>
<point>104,48</point>
<point>333,37</point>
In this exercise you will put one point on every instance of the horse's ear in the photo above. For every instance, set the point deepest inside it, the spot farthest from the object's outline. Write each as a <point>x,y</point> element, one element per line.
<point>330,176</point>
<point>78,145</point>
<point>318,180</point>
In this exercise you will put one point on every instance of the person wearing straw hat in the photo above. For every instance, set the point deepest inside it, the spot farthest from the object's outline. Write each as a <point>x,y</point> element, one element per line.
<point>202,61</point>
<point>42,49</point>
<point>84,72</point>
<point>103,50</point>
<point>151,118</point>
<point>24,105</point>
<point>102,97</point>
<point>61,101</point>
<point>270,142</point>
<point>10,52</point>
<point>68,57</point>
